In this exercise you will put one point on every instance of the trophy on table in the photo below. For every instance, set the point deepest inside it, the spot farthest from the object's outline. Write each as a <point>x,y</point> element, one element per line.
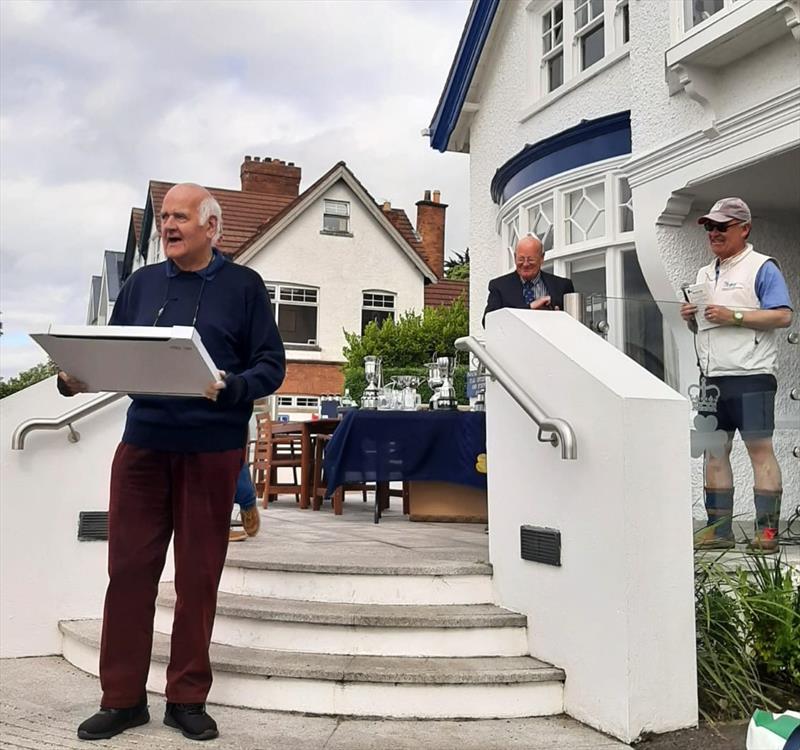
<point>434,381</point>
<point>447,392</point>
<point>372,370</point>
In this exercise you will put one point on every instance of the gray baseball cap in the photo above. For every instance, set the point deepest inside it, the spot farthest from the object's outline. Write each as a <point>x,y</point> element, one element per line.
<point>728,209</point>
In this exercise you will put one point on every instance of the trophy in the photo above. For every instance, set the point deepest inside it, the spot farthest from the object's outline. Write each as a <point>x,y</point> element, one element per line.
<point>372,370</point>
<point>434,381</point>
<point>447,392</point>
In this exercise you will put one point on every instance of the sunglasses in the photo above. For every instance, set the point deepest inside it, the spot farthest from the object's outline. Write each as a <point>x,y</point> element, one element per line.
<point>710,226</point>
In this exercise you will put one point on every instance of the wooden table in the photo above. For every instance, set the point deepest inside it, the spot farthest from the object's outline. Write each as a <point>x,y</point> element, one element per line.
<point>308,428</point>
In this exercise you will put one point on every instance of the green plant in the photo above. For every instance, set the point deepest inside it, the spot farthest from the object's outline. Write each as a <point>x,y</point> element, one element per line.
<point>748,637</point>
<point>456,267</point>
<point>27,377</point>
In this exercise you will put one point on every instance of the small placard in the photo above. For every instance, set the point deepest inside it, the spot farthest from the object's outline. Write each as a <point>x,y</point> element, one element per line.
<point>476,384</point>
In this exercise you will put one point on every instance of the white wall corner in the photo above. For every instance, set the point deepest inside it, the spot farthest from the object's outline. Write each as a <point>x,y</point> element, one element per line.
<point>699,83</point>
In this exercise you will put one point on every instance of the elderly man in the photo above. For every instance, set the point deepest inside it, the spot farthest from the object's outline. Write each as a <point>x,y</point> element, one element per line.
<point>528,286</point>
<point>748,301</point>
<point>174,473</point>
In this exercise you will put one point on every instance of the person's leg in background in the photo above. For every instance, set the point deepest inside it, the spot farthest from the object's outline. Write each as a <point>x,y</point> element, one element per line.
<point>245,498</point>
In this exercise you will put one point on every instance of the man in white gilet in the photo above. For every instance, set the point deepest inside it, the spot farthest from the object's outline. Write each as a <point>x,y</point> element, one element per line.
<point>748,302</point>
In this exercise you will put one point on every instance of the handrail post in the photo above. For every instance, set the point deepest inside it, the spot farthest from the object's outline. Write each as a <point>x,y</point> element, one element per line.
<point>561,431</point>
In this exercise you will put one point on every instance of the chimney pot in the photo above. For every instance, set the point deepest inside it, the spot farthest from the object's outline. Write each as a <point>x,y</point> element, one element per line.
<point>387,206</point>
<point>257,158</point>
<point>427,195</point>
<point>248,158</point>
<point>436,196</point>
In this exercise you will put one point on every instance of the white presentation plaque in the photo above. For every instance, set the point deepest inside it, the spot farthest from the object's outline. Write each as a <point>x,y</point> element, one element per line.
<point>132,359</point>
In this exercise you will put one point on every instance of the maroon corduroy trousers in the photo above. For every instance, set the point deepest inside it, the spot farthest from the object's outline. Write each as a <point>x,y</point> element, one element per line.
<point>153,494</point>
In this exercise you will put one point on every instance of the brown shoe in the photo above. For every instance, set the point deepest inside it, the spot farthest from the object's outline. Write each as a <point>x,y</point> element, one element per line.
<point>765,542</point>
<point>251,520</point>
<point>708,539</point>
<point>236,536</point>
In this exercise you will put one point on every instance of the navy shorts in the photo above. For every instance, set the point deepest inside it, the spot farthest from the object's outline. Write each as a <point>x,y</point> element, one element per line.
<point>746,403</point>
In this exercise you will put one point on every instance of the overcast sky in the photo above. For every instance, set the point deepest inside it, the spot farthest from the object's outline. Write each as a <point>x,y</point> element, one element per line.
<point>97,98</point>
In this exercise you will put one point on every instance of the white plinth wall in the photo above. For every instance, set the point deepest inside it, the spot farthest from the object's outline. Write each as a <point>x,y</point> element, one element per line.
<point>618,615</point>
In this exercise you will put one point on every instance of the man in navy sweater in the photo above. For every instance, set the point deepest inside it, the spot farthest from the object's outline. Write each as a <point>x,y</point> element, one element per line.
<point>175,470</point>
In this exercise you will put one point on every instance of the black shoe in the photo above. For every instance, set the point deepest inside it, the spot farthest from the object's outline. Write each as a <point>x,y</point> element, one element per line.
<point>108,722</point>
<point>192,720</point>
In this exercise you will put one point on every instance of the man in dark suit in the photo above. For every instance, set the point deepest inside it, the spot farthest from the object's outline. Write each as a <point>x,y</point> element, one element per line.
<point>528,286</point>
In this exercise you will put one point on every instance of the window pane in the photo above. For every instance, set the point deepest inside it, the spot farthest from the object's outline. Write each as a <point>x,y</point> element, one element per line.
<point>625,206</point>
<point>597,8</point>
<point>377,315</point>
<point>555,72</point>
<point>297,323</point>
<point>339,208</point>
<point>592,284</point>
<point>626,24</point>
<point>592,47</point>
<point>558,34</point>
<point>335,223</point>
<point>644,328</point>
<point>581,17</point>
<point>546,22</point>
<point>546,43</point>
<point>585,213</point>
<point>558,13</point>
<point>697,11</point>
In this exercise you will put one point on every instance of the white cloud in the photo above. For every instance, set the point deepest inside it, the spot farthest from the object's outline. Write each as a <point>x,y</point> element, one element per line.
<point>97,98</point>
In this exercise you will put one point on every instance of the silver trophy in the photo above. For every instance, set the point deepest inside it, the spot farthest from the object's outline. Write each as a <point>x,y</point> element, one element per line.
<point>434,381</point>
<point>447,392</point>
<point>373,373</point>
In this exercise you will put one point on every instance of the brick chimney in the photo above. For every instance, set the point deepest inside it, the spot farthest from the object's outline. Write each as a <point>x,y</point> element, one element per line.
<point>430,227</point>
<point>270,176</point>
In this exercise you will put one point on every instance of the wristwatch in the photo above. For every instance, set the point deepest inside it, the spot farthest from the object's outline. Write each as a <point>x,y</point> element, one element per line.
<point>738,318</point>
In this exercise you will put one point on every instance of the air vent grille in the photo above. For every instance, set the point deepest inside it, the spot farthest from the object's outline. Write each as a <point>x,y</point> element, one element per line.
<point>93,525</point>
<point>540,545</point>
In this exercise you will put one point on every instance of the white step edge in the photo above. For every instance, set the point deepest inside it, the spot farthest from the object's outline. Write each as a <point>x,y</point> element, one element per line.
<point>359,640</point>
<point>357,588</point>
<point>387,700</point>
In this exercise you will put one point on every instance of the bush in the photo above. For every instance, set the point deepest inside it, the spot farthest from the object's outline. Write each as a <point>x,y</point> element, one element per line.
<point>26,378</point>
<point>748,638</point>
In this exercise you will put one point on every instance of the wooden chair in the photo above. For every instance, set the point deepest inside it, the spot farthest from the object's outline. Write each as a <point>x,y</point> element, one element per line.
<point>271,453</point>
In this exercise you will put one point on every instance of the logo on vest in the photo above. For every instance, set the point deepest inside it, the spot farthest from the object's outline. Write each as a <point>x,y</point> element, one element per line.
<point>728,286</point>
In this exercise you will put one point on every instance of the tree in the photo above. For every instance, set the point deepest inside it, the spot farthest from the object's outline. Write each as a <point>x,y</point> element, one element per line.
<point>27,377</point>
<point>456,267</point>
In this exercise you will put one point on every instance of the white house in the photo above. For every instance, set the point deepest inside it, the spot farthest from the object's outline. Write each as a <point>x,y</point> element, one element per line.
<point>607,127</point>
<point>332,259</point>
<point>103,289</point>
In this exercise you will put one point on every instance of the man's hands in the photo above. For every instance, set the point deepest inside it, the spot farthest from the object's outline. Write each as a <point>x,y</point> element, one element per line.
<point>71,385</point>
<point>212,390</point>
<point>538,304</point>
<point>718,314</point>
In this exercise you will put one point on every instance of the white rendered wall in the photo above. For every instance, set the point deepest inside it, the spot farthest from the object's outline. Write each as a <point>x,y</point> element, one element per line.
<point>46,574</point>
<point>342,268</point>
<point>618,615</point>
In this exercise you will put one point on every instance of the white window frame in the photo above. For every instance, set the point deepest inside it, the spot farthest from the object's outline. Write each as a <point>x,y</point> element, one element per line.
<point>297,403</point>
<point>338,210</point>
<point>374,303</point>
<point>591,25</point>
<point>555,49</point>
<point>275,291</point>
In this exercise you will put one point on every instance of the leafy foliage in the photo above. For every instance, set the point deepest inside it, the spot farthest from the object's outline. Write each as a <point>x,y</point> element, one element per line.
<point>27,377</point>
<point>748,637</point>
<point>456,267</point>
<point>407,344</point>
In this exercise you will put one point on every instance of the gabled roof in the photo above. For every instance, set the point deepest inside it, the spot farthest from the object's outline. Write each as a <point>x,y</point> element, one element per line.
<point>243,212</point>
<point>445,292</point>
<point>112,268</point>
<point>340,171</point>
<point>454,95</point>
<point>94,300</point>
<point>137,216</point>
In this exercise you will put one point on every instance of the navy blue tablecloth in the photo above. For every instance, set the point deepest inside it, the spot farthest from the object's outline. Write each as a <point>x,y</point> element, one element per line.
<point>391,446</point>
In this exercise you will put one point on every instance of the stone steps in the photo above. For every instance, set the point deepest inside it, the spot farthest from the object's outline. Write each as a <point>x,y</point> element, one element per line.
<point>370,629</point>
<point>388,686</point>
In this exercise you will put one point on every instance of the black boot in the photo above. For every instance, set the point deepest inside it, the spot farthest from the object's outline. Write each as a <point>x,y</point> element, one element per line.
<point>192,720</point>
<point>108,722</point>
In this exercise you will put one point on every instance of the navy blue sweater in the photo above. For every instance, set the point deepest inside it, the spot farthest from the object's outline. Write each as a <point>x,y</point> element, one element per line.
<point>237,327</point>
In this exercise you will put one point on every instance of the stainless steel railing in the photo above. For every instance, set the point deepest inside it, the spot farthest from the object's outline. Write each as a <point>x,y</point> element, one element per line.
<point>560,431</point>
<point>65,420</point>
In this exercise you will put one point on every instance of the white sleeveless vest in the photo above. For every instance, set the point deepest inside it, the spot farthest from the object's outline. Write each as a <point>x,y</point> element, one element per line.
<point>736,350</point>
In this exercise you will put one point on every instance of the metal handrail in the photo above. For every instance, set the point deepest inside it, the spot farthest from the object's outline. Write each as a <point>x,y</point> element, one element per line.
<point>560,431</point>
<point>65,420</point>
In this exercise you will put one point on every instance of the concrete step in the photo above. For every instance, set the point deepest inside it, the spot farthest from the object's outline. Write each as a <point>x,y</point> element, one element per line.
<point>386,686</point>
<point>369,629</point>
<point>365,581</point>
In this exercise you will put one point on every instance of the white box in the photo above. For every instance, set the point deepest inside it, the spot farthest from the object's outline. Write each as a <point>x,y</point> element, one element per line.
<point>132,359</point>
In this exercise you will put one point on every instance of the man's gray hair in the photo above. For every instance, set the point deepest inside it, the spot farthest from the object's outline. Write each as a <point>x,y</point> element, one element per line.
<point>208,208</point>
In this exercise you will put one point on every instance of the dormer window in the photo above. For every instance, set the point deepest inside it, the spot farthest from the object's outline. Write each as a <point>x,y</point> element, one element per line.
<point>336,218</point>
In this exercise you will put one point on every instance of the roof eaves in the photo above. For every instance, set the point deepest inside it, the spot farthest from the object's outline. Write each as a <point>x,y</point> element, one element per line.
<point>454,94</point>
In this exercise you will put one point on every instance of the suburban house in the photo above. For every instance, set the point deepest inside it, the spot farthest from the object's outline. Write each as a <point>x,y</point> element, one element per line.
<point>103,289</point>
<point>606,128</point>
<point>332,259</point>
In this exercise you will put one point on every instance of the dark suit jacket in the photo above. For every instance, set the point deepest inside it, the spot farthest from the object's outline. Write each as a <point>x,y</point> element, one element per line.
<point>506,291</point>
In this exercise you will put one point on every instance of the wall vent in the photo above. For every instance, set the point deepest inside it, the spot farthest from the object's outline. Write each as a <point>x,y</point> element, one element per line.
<point>540,545</point>
<point>92,525</point>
